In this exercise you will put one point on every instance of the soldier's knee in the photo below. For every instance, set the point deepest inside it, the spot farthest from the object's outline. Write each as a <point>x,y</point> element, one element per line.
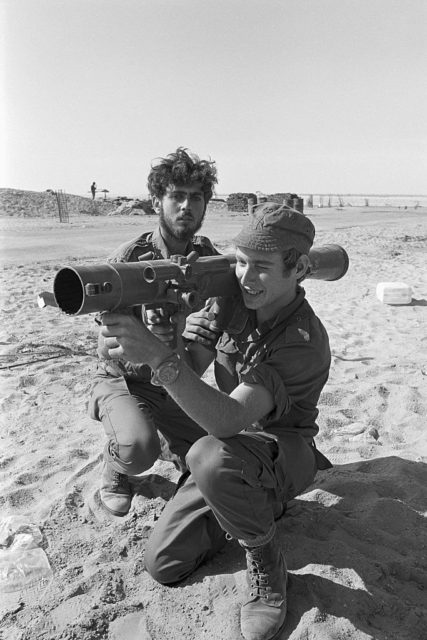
<point>202,452</point>
<point>135,457</point>
<point>204,459</point>
<point>164,568</point>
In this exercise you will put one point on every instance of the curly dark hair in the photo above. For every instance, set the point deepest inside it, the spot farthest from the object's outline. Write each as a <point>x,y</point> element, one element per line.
<point>182,167</point>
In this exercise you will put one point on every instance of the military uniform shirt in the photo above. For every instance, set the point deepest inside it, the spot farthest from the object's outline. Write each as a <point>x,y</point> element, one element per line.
<point>289,356</point>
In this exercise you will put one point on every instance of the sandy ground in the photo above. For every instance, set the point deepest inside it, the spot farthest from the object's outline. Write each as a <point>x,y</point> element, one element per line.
<point>355,541</point>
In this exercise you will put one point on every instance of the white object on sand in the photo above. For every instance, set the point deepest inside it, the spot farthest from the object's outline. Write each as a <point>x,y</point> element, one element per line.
<point>394,292</point>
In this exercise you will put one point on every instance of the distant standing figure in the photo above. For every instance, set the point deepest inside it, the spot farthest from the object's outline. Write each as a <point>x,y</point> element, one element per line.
<point>93,189</point>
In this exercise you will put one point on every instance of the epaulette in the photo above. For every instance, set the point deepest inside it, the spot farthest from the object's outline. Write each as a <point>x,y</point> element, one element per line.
<point>131,250</point>
<point>298,332</point>
<point>203,241</point>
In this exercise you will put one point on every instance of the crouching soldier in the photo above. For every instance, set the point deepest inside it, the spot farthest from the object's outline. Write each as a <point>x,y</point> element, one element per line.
<point>250,447</point>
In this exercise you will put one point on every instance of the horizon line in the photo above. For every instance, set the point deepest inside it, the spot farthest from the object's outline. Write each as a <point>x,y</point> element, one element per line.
<point>301,193</point>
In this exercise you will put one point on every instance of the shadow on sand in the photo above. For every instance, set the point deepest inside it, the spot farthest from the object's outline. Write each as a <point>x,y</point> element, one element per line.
<point>353,545</point>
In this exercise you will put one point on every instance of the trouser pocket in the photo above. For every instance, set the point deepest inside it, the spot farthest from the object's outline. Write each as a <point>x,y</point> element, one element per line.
<point>293,465</point>
<point>272,474</point>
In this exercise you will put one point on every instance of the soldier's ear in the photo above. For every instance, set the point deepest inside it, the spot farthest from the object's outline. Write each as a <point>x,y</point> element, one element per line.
<point>302,266</point>
<point>157,204</point>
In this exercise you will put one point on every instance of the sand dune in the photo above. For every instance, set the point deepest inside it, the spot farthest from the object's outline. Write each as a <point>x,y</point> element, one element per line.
<point>355,541</point>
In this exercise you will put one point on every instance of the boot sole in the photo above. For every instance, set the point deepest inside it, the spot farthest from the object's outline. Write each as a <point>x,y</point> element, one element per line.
<point>278,632</point>
<point>120,514</point>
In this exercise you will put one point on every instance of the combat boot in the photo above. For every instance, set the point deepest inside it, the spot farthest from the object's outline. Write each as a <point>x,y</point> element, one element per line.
<point>115,491</point>
<point>263,615</point>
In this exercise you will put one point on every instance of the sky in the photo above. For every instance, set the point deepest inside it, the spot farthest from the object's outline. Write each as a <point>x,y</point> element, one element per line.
<point>306,96</point>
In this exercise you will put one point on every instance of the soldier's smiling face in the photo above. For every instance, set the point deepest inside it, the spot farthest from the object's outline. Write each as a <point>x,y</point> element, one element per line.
<point>265,284</point>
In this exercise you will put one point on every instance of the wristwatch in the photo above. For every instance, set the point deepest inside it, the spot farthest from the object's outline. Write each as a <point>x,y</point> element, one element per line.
<point>167,371</point>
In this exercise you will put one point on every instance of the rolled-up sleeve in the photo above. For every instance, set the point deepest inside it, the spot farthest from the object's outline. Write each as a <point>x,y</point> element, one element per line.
<point>267,376</point>
<point>294,375</point>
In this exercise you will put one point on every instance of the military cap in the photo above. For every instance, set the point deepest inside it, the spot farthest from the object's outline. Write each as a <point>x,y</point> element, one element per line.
<point>276,227</point>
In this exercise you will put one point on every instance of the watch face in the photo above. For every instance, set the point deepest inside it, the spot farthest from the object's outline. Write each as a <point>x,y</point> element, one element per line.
<point>166,373</point>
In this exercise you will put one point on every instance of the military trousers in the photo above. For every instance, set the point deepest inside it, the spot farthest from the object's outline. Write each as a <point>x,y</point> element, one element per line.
<point>132,413</point>
<point>236,487</point>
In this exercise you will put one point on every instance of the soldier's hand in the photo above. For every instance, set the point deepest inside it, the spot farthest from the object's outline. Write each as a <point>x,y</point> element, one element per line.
<point>158,321</point>
<point>126,337</point>
<point>200,328</point>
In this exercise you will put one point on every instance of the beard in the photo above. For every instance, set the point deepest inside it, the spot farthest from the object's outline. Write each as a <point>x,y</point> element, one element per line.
<point>177,232</point>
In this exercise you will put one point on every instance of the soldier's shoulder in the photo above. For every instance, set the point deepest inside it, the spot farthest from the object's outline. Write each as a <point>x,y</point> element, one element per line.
<point>131,250</point>
<point>298,331</point>
<point>304,326</point>
<point>204,246</point>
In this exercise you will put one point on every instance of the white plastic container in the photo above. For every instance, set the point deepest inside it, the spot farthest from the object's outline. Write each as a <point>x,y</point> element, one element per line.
<point>23,564</point>
<point>394,293</point>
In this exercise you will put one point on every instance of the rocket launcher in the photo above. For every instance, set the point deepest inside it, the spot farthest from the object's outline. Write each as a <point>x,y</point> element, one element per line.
<point>185,281</point>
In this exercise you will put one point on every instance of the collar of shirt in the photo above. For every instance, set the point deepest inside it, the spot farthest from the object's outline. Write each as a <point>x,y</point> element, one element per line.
<point>252,333</point>
<point>159,243</point>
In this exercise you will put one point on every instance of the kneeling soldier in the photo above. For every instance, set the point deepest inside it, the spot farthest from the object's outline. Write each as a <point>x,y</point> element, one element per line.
<point>250,447</point>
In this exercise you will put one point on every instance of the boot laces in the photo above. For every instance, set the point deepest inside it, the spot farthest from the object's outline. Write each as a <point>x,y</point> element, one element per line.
<point>119,480</point>
<point>257,573</point>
